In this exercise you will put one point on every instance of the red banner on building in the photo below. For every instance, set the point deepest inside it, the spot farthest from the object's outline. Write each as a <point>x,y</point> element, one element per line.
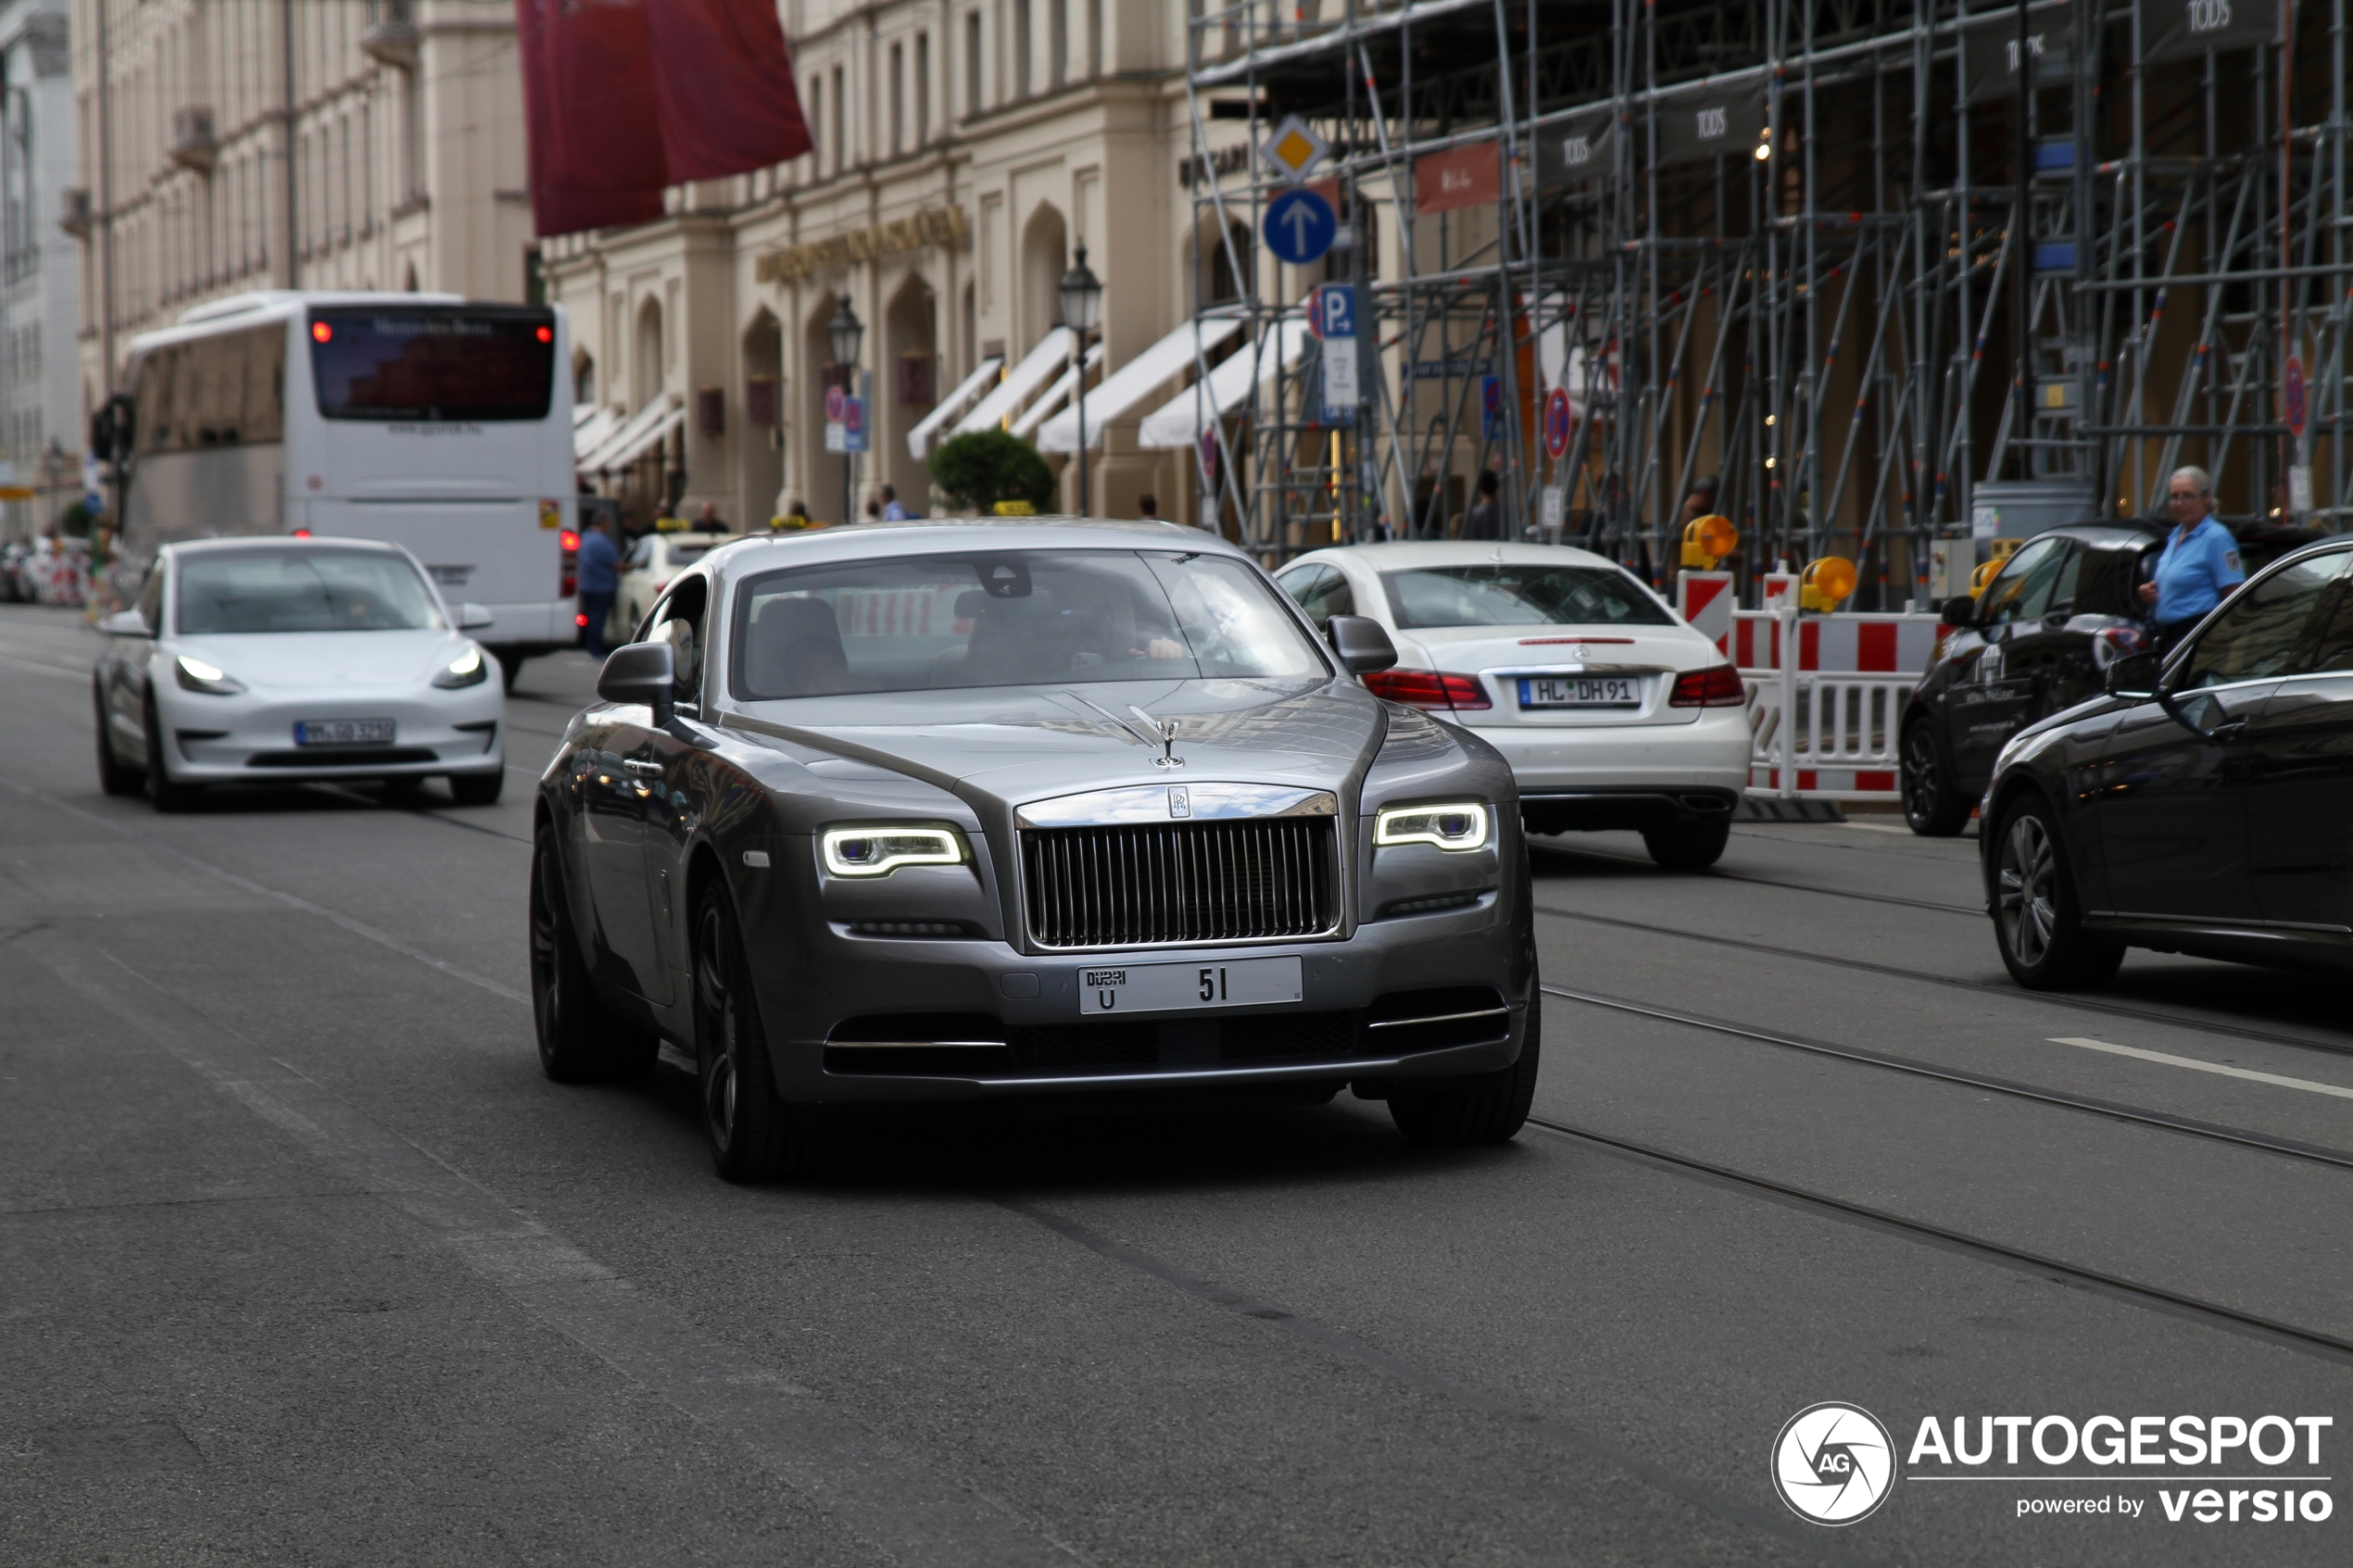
<point>622,98</point>
<point>1471,176</point>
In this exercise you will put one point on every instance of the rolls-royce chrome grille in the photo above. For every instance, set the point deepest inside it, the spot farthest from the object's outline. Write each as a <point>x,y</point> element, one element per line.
<point>1149,886</point>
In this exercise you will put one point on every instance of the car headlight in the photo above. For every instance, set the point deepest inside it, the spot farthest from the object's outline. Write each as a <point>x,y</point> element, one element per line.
<point>881,848</point>
<point>1460,824</point>
<point>468,668</point>
<point>195,675</point>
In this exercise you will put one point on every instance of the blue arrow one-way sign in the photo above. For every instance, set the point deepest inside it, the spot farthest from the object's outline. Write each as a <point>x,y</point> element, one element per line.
<point>1300,226</point>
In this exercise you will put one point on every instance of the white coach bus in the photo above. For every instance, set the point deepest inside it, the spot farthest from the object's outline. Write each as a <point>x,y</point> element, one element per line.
<point>423,419</point>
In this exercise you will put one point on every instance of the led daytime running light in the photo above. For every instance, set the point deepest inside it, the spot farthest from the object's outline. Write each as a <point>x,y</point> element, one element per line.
<point>1454,826</point>
<point>882,848</point>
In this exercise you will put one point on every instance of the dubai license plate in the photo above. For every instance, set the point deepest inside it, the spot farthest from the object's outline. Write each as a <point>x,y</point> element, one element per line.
<point>343,731</point>
<point>1580,691</point>
<point>1165,987</point>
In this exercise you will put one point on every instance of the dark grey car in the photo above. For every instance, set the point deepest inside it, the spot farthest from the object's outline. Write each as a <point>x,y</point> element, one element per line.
<point>964,812</point>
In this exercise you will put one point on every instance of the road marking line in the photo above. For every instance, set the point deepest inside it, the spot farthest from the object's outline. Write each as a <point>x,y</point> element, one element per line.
<point>45,668</point>
<point>2307,1084</point>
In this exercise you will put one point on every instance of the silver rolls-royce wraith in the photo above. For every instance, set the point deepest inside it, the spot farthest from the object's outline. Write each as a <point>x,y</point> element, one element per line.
<point>978,809</point>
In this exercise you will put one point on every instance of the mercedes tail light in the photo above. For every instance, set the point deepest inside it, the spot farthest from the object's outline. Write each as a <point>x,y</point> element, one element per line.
<point>1718,685</point>
<point>570,583</point>
<point>1432,689</point>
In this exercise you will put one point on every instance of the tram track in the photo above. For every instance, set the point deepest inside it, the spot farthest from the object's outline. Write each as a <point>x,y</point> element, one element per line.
<point>1981,987</point>
<point>1719,873</point>
<point>2214,1132</point>
<point>2117,1286</point>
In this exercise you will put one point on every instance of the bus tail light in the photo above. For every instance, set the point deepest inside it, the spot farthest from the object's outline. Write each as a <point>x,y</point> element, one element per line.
<point>1430,689</point>
<point>570,583</point>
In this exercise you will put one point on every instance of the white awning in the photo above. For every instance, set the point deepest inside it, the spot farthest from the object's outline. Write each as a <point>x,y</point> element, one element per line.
<point>647,425</point>
<point>1054,396</point>
<point>1037,368</point>
<point>593,432</point>
<point>1134,381</point>
<point>580,412</point>
<point>1180,420</point>
<point>919,439</point>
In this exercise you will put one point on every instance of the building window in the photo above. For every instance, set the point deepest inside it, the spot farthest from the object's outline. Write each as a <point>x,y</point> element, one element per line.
<point>898,99</point>
<point>1057,40</point>
<point>922,89</point>
<point>972,62</point>
<point>1021,48</point>
<point>1094,37</point>
<point>817,120</point>
<point>841,149</point>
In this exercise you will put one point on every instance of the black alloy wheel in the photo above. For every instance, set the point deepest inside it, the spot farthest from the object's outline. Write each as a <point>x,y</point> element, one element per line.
<point>1933,805</point>
<point>754,1136</point>
<point>164,793</point>
<point>1687,847</point>
<point>1485,1110</point>
<point>114,777</point>
<point>580,1040</point>
<point>2038,922</point>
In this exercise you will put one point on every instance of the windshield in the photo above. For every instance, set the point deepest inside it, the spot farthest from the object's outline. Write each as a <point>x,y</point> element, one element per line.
<point>474,363</point>
<point>302,591</point>
<point>1011,619</point>
<point>1511,593</point>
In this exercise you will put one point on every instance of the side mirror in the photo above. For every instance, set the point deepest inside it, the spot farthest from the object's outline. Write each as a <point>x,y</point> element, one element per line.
<point>472,616</point>
<point>2133,675</point>
<point>642,673</point>
<point>1959,610</point>
<point>1361,643</point>
<point>126,623</point>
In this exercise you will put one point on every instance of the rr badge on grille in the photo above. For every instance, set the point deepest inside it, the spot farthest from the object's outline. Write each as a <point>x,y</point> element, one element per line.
<point>1180,801</point>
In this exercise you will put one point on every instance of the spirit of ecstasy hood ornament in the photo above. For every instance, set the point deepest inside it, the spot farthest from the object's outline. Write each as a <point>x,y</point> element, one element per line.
<point>1166,728</point>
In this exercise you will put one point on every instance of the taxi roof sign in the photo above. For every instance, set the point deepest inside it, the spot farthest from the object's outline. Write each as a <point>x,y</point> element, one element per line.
<point>1294,149</point>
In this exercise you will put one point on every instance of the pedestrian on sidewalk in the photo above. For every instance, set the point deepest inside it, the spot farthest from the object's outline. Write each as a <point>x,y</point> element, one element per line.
<point>599,579</point>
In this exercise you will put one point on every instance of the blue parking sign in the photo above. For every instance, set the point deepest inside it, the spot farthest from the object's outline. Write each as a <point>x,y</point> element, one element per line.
<point>1334,312</point>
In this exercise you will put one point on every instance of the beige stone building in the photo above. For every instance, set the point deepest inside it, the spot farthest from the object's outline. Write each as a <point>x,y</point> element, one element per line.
<point>963,147</point>
<point>236,144</point>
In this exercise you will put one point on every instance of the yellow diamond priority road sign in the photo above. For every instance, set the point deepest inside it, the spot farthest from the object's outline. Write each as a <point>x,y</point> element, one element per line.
<point>1294,150</point>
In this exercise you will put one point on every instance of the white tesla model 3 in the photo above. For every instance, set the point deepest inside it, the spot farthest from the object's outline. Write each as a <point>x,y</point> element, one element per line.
<point>1613,712</point>
<point>274,659</point>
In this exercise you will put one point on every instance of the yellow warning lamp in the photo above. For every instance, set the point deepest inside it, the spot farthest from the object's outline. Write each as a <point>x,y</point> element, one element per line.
<point>1983,574</point>
<point>1825,582</point>
<point>1707,540</point>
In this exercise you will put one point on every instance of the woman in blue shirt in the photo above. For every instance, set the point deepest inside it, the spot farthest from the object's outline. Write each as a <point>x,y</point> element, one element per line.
<point>2200,563</point>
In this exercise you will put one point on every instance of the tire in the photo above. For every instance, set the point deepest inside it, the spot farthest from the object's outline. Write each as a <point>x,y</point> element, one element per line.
<point>113,776</point>
<point>754,1136</point>
<point>581,1041</point>
<point>1687,847</point>
<point>477,789</point>
<point>1485,1110</point>
<point>164,793</point>
<point>1933,805</point>
<point>2038,920</point>
<point>510,669</point>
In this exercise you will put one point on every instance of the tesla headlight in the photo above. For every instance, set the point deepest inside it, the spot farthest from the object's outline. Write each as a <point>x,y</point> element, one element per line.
<point>195,675</point>
<point>1460,824</point>
<point>879,850</point>
<point>468,668</point>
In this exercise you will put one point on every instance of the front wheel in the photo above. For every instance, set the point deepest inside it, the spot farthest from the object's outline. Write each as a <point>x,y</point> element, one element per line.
<point>754,1136</point>
<point>2038,920</point>
<point>1933,805</point>
<point>1687,847</point>
<point>113,776</point>
<point>580,1040</point>
<point>164,792</point>
<point>1488,1109</point>
<point>477,789</point>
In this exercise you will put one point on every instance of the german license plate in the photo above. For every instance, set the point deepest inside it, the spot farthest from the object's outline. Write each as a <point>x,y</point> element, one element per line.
<point>1165,987</point>
<point>343,731</point>
<point>1580,691</point>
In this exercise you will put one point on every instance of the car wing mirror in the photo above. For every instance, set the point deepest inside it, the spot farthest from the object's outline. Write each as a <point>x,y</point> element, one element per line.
<point>472,616</point>
<point>2134,675</point>
<point>126,623</point>
<point>641,672</point>
<point>1959,610</point>
<point>1360,643</point>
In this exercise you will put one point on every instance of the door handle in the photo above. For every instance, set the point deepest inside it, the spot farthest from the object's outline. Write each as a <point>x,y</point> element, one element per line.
<point>2234,729</point>
<point>643,769</point>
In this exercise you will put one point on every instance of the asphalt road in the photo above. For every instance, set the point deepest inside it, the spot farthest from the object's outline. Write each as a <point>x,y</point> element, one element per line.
<point>301,1259</point>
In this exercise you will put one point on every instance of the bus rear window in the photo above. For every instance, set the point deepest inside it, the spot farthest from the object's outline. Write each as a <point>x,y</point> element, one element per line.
<point>425,364</point>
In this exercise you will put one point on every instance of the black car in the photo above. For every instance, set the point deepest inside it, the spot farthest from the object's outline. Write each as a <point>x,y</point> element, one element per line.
<point>2036,641</point>
<point>2205,807</point>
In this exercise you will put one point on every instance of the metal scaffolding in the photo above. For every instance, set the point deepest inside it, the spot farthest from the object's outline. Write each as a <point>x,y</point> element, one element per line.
<point>1780,242</point>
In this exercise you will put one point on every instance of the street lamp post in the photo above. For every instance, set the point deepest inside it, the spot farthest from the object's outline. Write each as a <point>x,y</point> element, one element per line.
<point>1082,294</point>
<point>846,330</point>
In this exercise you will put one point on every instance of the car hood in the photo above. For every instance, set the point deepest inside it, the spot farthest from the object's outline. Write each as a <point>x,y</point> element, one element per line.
<point>1009,747</point>
<point>306,660</point>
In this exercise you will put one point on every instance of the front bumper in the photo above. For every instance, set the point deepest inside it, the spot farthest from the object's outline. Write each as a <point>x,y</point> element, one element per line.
<point>250,737</point>
<point>1355,1020</point>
